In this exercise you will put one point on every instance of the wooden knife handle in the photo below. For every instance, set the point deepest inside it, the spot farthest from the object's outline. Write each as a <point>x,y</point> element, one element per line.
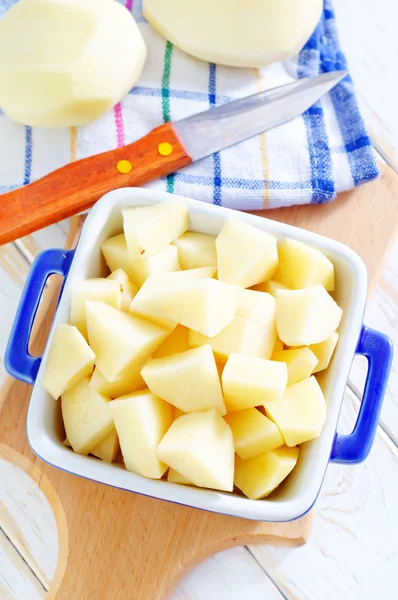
<point>78,185</point>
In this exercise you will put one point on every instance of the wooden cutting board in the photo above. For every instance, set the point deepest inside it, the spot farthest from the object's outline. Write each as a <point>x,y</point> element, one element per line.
<point>118,545</point>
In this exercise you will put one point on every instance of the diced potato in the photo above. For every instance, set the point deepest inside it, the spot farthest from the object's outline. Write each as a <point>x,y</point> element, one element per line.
<point>324,351</point>
<point>177,412</point>
<point>86,415</point>
<point>188,380</point>
<point>300,413</point>
<point>142,305</point>
<point>141,420</point>
<point>251,332</point>
<point>270,287</point>
<point>248,381</point>
<point>120,341</point>
<point>164,261</point>
<point>207,305</point>
<point>196,250</point>
<point>131,382</point>
<point>129,290</point>
<point>258,477</point>
<point>300,363</point>
<point>176,342</point>
<point>174,477</point>
<point>149,229</point>
<point>70,359</point>
<point>253,432</point>
<point>256,305</point>
<point>115,252</point>
<point>200,447</point>
<point>301,266</point>
<point>99,290</point>
<point>116,256</point>
<point>241,336</point>
<point>305,317</point>
<point>246,255</point>
<point>277,349</point>
<point>108,448</point>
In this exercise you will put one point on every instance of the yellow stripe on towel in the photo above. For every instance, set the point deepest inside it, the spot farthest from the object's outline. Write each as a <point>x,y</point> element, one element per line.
<point>263,149</point>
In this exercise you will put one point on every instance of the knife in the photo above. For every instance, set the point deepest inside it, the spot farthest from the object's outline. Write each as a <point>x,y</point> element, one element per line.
<point>78,185</point>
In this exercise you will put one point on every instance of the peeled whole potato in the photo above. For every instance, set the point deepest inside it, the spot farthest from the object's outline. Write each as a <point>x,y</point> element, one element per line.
<point>66,62</point>
<point>249,33</point>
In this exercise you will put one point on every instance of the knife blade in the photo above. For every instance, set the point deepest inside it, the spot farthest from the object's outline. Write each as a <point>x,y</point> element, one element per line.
<point>223,126</point>
<point>78,185</point>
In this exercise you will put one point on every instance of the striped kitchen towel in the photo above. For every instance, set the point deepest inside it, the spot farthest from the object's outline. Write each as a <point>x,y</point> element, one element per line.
<point>308,160</point>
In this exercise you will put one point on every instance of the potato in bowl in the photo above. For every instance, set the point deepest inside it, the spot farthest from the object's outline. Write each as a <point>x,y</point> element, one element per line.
<point>181,331</point>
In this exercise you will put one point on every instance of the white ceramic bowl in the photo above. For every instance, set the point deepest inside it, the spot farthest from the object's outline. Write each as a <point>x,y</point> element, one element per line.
<point>296,496</point>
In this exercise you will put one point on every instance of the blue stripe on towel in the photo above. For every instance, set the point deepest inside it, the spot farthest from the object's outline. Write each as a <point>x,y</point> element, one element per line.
<point>28,155</point>
<point>216,157</point>
<point>357,143</point>
<point>318,143</point>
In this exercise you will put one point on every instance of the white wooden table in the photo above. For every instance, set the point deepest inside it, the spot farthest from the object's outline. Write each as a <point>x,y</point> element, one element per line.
<point>353,550</point>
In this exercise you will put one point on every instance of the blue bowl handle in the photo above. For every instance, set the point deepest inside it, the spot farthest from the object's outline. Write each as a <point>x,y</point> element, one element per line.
<point>18,362</point>
<point>354,448</point>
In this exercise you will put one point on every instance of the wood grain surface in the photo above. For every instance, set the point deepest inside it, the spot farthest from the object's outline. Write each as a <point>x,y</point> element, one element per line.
<point>77,186</point>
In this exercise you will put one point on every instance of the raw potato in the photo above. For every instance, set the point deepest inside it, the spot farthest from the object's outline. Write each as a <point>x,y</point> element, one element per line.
<point>116,257</point>
<point>270,287</point>
<point>300,362</point>
<point>206,306</point>
<point>301,266</point>
<point>129,290</point>
<point>279,347</point>
<point>131,382</point>
<point>196,250</point>
<point>141,420</point>
<point>246,255</point>
<point>177,412</point>
<point>174,477</point>
<point>115,253</point>
<point>188,380</point>
<point>164,261</point>
<point>61,375</point>
<point>305,317</point>
<point>300,413</point>
<point>86,415</point>
<point>252,33</point>
<point>258,477</point>
<point>100,290</point>
<point>324,351</point>
<point>176,342</point>
<point>200,447</point>
<point>148,229</point>
<point>120,341</point>
<point>108,448</point>
<point>253,432</point>
<point>251,332</point>
<point>144,305</point>
<point>248,381</point>
<point>73,59</point>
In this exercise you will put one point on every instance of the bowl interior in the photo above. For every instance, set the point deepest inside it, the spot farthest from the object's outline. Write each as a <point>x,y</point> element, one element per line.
<point>299,491</point>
